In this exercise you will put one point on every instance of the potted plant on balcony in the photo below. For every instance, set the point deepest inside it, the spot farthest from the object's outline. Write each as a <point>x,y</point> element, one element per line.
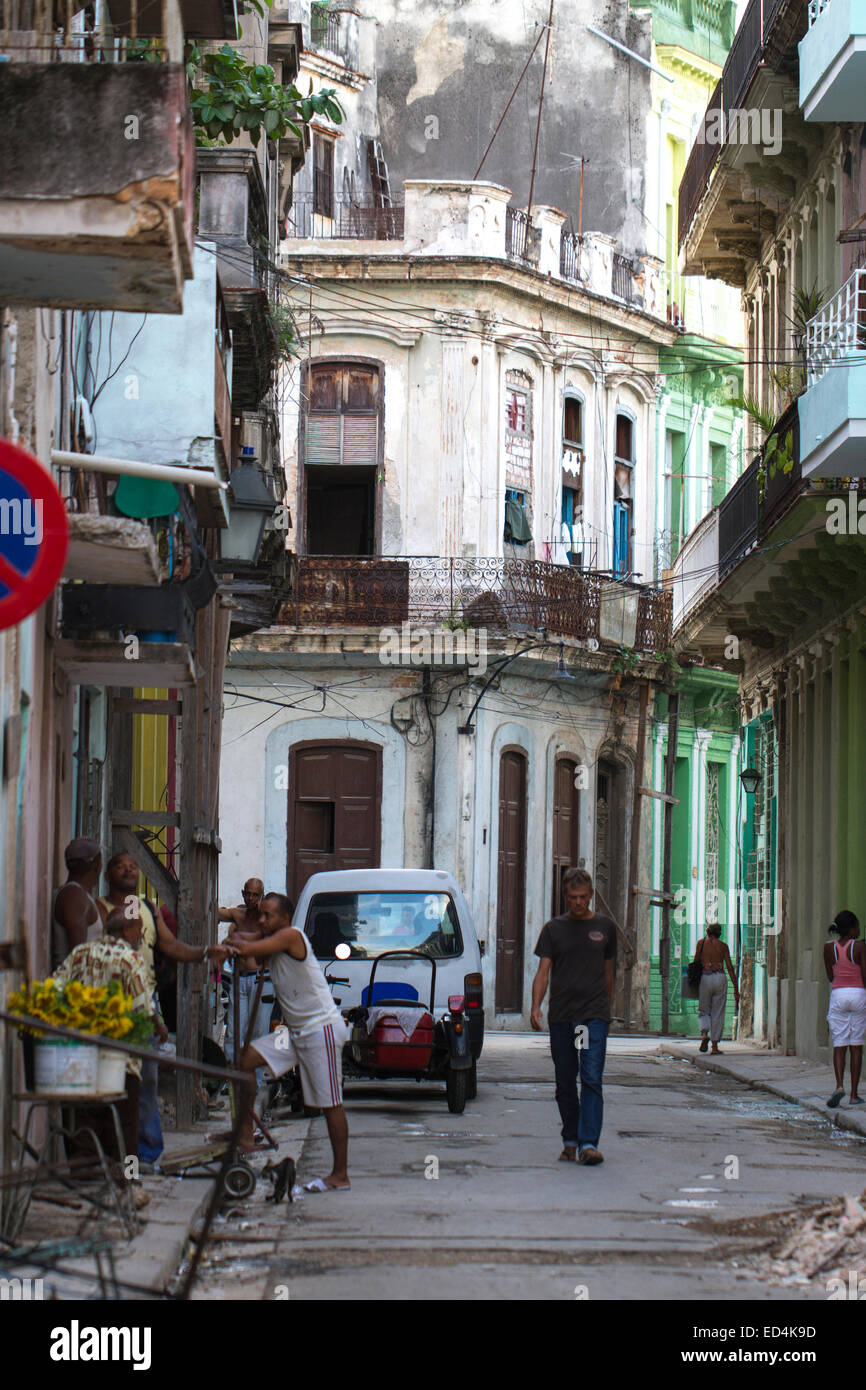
<point>58,1065</point>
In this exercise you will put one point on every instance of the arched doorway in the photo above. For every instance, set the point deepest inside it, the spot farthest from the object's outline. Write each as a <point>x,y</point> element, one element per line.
<point>566,826</point>
<point>335,809</point>
<point>511,882</point>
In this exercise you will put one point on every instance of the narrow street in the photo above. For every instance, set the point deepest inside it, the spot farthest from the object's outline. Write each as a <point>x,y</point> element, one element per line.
<point>503,1220</point>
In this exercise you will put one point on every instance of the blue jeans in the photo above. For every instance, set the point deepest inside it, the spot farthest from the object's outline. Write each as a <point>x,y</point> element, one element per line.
<point>246,985</point>
<point>150,1143</point>
<point>581,1119</point>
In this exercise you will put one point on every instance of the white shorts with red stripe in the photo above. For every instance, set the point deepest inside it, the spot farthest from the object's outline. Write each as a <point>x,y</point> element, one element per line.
<point>317,1054</point>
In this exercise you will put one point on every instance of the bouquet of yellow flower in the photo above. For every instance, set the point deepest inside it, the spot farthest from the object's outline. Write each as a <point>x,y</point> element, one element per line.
<point>104,1010</point>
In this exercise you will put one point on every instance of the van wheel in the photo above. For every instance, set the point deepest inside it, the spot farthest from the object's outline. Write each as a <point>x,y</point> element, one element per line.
<point>472,1081</point>
<point>455,1090</point>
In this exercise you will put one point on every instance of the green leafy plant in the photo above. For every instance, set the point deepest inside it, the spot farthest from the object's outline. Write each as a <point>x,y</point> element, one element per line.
<point>284,328</point>
<point>625,660</point>
<point>668,658</point>
<point>236,96</point>
<point>777,455</point>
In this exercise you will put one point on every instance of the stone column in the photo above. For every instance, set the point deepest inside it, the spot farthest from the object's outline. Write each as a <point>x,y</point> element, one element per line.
<point>691,469</point>
<point>707,455</point>
<point>451,437</point>
<point>734,843</point>
<point>662,403</point>
<point>699,833</point>
<point>660,733</point>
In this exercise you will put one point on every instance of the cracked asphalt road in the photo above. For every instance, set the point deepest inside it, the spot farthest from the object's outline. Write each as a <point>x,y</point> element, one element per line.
<point>504,1220</point>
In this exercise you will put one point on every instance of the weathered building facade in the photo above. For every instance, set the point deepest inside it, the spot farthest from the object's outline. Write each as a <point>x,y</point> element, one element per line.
<point>774,576</point>
<point>470,456</point>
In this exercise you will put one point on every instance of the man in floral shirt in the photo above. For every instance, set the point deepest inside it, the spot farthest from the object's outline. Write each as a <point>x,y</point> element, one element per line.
<point>114,956</point>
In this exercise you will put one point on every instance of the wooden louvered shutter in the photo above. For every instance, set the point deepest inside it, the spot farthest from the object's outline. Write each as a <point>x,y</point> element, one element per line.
<point>342,423</point>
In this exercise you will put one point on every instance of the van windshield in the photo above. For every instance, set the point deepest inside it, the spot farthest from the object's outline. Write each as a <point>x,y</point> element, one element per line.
<point>371,923</point>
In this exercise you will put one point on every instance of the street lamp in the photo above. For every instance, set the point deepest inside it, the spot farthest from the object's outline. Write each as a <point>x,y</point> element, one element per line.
<point>751,780</point>
<point>251,504</point>
<point>561,673</point>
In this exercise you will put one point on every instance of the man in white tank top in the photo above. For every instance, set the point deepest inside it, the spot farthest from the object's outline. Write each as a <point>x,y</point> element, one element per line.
<point>312,1039</point>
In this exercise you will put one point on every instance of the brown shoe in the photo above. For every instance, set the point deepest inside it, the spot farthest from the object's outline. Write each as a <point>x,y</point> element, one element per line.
<point>568,1155</point>
<point>590,1156</point>
<point>140,1198</point>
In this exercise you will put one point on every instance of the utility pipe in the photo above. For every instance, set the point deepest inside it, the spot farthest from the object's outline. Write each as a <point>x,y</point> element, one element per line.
<point>162,472</point>
<point>630,53</point>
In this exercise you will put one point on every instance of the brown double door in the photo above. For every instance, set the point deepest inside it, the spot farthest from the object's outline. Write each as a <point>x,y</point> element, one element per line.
<point>335,796</point>
<point>566,809</point>
<point>511,883</point>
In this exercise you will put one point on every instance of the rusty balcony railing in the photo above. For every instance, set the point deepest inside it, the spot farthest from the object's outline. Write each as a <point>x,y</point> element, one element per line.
<point>347,220</point>
<point>502,596</point>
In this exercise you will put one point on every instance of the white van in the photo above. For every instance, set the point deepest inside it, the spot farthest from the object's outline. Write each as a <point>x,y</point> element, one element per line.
<point>369,913</point>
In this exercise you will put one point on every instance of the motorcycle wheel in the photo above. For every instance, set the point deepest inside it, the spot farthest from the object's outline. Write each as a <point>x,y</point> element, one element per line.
<point>472,1081</point>
<point>455,1090</point>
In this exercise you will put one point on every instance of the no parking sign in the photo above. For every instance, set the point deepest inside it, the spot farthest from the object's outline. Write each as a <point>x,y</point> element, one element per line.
<point>34,534</point>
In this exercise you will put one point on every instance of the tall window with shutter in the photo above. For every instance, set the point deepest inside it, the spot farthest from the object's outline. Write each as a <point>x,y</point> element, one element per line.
<point>342,433</point>
<point>343,416</point>
<point>323,175</point>
<point>623,495</point>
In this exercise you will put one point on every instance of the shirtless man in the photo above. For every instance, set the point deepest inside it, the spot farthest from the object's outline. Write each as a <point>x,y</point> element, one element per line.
<point>245,928</point>
<point>715,958</point>
<point>76,916</point>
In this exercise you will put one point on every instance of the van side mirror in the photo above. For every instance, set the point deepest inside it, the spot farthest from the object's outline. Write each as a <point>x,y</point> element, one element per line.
<point>482,947</point>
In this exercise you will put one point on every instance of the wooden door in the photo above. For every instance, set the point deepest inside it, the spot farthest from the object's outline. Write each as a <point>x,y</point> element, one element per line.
<point>566,810</point>
<point>604,789</point>
<point>335,794</point>
<point>511,883</point>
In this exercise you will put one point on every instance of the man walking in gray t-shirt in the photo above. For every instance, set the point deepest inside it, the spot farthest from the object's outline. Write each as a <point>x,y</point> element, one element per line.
<point>577,956</point>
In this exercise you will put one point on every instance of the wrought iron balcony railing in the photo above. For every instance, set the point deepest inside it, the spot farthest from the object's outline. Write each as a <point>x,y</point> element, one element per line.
<point>569,256</point>
<point>346,220</point>
<point>838,333</point>
<point>743,61</point>
<point>738,520</point>
<point>325,28</point>
<point>502,596</point>
<point>517,222</point>
<point>622,277</point>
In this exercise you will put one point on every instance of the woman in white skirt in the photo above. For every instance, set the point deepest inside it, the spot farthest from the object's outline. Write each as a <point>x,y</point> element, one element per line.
<point>715,958</point>
<point>845,963</point>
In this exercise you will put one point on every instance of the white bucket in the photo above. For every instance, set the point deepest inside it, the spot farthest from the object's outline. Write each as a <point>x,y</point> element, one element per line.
<point>65,1068</point>
<point>111,1073</point>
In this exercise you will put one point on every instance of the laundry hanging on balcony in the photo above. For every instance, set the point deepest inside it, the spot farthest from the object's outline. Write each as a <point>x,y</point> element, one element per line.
<point>517,528</point>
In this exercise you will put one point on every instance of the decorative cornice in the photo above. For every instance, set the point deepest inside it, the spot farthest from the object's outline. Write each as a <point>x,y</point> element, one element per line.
<point>357,328</point>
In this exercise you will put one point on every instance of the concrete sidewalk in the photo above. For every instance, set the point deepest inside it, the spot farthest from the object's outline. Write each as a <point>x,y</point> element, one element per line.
<point>792,1078</point>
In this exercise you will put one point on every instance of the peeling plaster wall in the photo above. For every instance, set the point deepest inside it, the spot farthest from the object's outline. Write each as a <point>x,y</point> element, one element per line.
<point>444,492</point>
<point>446,71</point>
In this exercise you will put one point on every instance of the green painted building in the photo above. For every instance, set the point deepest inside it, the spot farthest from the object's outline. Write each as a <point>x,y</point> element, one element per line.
<point>704,862</point>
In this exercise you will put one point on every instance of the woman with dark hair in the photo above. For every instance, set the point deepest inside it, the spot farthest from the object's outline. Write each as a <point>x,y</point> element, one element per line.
<point>845,963</point>
<point>715,958</point>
